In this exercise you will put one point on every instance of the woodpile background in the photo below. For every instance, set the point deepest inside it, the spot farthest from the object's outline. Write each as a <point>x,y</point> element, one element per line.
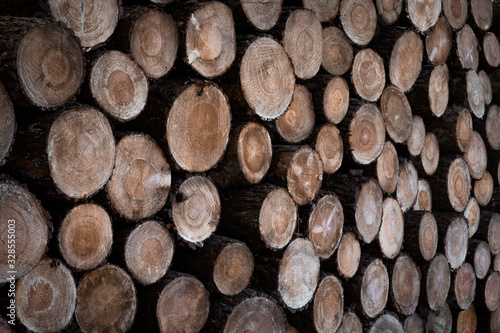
<point>251,166</point>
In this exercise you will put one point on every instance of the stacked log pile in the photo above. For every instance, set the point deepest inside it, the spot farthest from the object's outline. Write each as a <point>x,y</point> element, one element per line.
<point>250,166</point>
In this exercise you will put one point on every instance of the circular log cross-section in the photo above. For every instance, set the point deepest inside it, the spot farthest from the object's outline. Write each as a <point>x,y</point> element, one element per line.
<point>493,127</point>
<point>428,236</point>
<point>415,142</point>
<point>81,152</point>
<point>106,300</point>
<point>456,242</point>
<point>254,152</point>
<point>467,320</point>
<point>149,250</point>
<point>483,189</point>
<point>456,12</point>
<point>46,297</point>
<point>303,42</point>
<point>337,51</point>
<point>22,215</point>
<point>304,175</point>
<point>198,127</point>
<point>465,286</point>
<point>414,324</point>
<point>154,41</point>
<point>297,123</point>
<point>368,212</point>
<point>441,320</point>
<point>50,65</point>
<point>475,95</point>
<point>472,213</point>
<point>387,323</point>
<point>389,11</point>
<point>406,60</point>
<point>336,100</point>
<point>140,182</point>
<point>494,233</point>
<point>430,154</point>
<point>211,39</point>
<point>491,49</point>
<point>325,10</point>
<point>492,292</point>
<point>476,156</point>
<point>388,168</point>
<point>405,285</point>
<point>495,321</point>
<point>7,124</point>
<point>459,184</point>
<point>348,255</point>
<point>233,268</point>
<point>438,42</point>
<point>330,147</point>
<point>93,21</point>
<point>298,273</point>
<point>196,209</point>
<point>325,225</point>
<point>368,74</point>
<point>482,12</point>
<point>262,14</point>
<point>468,48</point>
<point>367,134</point>
<point>255,315</point>
<point>438,282</point>
<point>463,129</point>
<point>485,82</point>
<point>439,90</point>
<point>350,324</point>
<point>86,236</point>
<point>424,197</point>
<point>359,20</point>
<point>374,288</point>
<point>424,15</point>
<point>482,260</point>
<point>183,306</point>
<point>397,114</point>
<point>407,188</point>
<point>267,78</point>
<point>328,305</point>
<point>392,229</point>
<point>277,218</point>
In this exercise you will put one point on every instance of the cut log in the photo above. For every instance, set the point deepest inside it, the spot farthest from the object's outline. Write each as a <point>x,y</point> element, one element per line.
<point>5,326</point>
<point>496,263</point>
<point>442,321</point>
<point>388,168</point>
<point>46,297</point>
<point>389,11</point>
<point>325,10</point>
<point>465,286</point>
<point>472,214</point>
<point>330,147</point>
<point>428,236</point>
<point>23,216</point>
<point>148,252</point>
<point>476,156</point>
<point>298,273</point>
<point>8,124</point>
<point>482,12</point>
<point>492,292</point>
<point>266,77</point>
<point>430,154</point>
<point>196,209</point>
<point>494,233</point>
<point>456,242</point>
<point>438,282</point>
<point>439,41</point>
<point>106,300</point>
<point>493,127</point>
<point>325,225</point>
<point>374,288</point>
<point>438,90</point>
<point>337,51</point>
<point>482,260</point>
<point>391,231</point>
<point>414,324</point>
<point>467,320</point>
<point>297,123</point>
<point>93,21</point>
<point>256,314</point>
<point>154,41</point>
<point>491,49</point>
<point>454,130</point>
<point>483,189</point>
<point>81,152</point>
<point>183,305</point>
<point>424,197</point>
<point>387,323</point>
<point>368,74</point>
<point>415,142</point>
<point>467,48</point>
<point>359,20</point>
<point>42,64</point>
<point>328,305</point>
<point>233,268</point>
<point>456,12</point>
<point>405,285</point>
<point>86,236</point>
<point>495,321</point>
<point>198,127</point>
<point>369,210</point>
<point>423,15</point>
<point>406,59</point>
<point>407,188</point>
<point>303,40</point>
<point>459,184</point>
<point>262,14</point>
<point>397,114</point>
<point>336,99</point>
<point>485,82</point>
<point>140,182</point>
<point>348,255</point>
<point>350,324</point>
<point>291,329</point>
<point>475,95</point>
<point>367,134</point>
<point>211,39</point>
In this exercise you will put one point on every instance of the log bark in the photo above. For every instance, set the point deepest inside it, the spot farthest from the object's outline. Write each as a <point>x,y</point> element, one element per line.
<point>389,10</point>
<point>348,255</point>
<point>439,41</point>
<point>336,100</point>
<point>106,300</point>
<point>405,284</point>
<point>467,320</point>
<point>467,48</point>
<point>325,10</point>
<point>397,114</point>
<point>492,292</point>
<point>85,236</point>
<point>46,297</point>
<point>391,232</point>
<point>407,187</point>
<point>465,286</point>
<point>406,60</point>
<point>263,15</point>
<point>359,20</point>
<point>456,12</point>
<point>297,123</point>
<point>8,127</point>
<point>492,127</point>
<point>472,213</point>
<point>424,196</point>
<point>387,323</point>
<point>367,134</point>
<point>482,12</point>
<point>328,305</point>
<point>330,147</point>
<point>482,259</point>
<point>337,52</point>
<point>491,49</point>
<point>374,288</point>
<point>438,283</point>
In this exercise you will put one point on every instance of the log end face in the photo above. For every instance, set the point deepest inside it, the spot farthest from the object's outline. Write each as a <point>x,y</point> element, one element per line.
<point>254,152</point>
<point>233,269</point>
